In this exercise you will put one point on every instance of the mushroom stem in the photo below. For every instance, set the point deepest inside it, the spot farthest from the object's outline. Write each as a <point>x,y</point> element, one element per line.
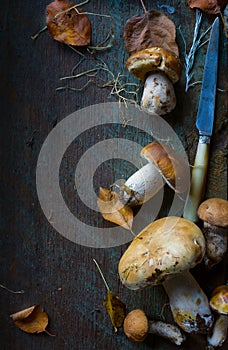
<point>167,331</point>
<point>158,95</point>
<point>219,332</point>
<point>189,304</point>
<point>142,185</point>
<point>216,244</point>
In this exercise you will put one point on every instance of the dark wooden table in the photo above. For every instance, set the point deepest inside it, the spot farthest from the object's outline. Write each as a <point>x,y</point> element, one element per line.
<point>52,270</point>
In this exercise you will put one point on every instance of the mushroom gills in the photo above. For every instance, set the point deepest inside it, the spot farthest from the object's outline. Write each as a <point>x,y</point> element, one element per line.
<point>158,95</point>
<point>189,304</point>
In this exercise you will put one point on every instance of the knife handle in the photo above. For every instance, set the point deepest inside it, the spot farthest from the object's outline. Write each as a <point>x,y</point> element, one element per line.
<point>198,181</point>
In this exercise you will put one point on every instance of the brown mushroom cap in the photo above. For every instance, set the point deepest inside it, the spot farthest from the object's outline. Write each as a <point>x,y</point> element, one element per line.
<point>214,211</point>
<point>165,247</point>
<point>136,325</point>
<point>154,59</point>
<point>219,299</point>
<point>172,167</point>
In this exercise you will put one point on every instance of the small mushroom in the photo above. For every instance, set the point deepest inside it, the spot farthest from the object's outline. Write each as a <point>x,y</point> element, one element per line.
<point>150,40</point>
<point>165,165</point>
<point>137,327</point>
<point>163,252</point>
<point>219,303</point>
<point>214,213</point>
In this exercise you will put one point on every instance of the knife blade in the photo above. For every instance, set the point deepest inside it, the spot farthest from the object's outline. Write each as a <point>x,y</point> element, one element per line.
<point>204,124</point>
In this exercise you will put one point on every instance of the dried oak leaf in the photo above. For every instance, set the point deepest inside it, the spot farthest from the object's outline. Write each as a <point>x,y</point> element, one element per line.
<point>31,320</point>
<point>208,6</point>
<point>68,27</point>
<point>113,210</point>
<point>151,29</point>
<point>116,309</point>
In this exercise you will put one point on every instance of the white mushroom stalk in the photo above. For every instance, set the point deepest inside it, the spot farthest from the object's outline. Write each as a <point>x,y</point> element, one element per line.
<point>219,332</point>
<point>142,185</point>
<point>163,252</point>
<point>165,166</point>
<point>158,94</point>
<point>188,303</point>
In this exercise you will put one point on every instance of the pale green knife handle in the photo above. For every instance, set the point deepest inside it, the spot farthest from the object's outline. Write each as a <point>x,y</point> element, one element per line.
<point>198,182</point>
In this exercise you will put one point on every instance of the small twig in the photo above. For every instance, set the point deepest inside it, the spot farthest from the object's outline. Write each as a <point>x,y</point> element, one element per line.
<point>12,291</point>
<point>35,36</point>
<point>143,6</point>
<point>102,275</point>
<point>72,8</point>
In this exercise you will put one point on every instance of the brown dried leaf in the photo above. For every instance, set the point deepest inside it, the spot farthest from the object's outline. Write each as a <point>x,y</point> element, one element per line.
<point>31,320</point>
<point>113,210</point>
<point>69,27</point>
<point>209,6</point>
<point>116,309</point>
<point>151,29</point>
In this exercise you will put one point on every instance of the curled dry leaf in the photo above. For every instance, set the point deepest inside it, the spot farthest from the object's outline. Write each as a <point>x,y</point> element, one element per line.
<point>116,309</point>
<point>113,210</point>
<point>208,6</point>
<point>68,27</point>
<point>151,29</point>
<point>31,320</point>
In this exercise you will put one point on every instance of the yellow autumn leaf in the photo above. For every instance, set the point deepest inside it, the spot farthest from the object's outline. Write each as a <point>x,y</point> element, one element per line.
<point>113,210</point>
<point>116,309</point>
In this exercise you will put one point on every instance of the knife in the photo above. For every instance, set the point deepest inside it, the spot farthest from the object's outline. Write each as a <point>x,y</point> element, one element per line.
<point>204,124</point>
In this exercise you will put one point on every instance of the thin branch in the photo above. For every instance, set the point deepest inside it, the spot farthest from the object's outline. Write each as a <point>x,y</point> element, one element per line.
<point>35,36</point>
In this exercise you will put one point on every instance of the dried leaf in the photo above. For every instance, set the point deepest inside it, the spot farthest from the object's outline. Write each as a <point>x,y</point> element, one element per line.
<point>31,320</point>
<point>68,27</point>
<point>113,210</point>
<point>116,309</point>
<point>151,29</point>
<point>209,6</point>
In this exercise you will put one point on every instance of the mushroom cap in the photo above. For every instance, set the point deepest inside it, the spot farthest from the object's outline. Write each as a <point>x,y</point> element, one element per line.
<point>136,325</point>
<point>214,211</point>
<point>154,59</point>
<point>164,248</point>
<point>173,168</point>
<point>219,299</point>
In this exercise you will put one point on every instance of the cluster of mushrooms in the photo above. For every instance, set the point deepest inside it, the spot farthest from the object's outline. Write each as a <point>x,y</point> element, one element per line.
<point>166,250</point>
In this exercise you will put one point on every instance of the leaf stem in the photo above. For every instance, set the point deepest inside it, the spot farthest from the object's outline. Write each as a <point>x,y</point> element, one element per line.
<point>102,275</point>
<point>12,291</point>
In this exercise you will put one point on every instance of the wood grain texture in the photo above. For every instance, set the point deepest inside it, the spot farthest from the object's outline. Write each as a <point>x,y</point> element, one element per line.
<point>54,272</point>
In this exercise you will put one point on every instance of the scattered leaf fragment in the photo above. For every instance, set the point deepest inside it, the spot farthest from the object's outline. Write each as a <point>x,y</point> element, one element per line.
<point>31,320</point>
<point>208,6</point>
<point>113,210</point>
<point>68,27</point>
<point>151,29</point>
<point>116,309</point>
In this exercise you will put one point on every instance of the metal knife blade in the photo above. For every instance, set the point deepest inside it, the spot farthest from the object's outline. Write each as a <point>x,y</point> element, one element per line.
<point>205,116</point>
<point>204,123</point>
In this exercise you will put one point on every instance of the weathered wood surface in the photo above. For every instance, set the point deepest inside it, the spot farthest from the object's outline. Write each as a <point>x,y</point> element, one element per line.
<point>55,272</point>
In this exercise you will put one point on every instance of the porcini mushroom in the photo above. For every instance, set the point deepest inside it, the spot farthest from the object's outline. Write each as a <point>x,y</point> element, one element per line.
<point>137,327</point>
<point>219,303</point>
<point>163,252</point>
<point>214,213</point>
<point>165,165</point>
<point>150,40</point>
